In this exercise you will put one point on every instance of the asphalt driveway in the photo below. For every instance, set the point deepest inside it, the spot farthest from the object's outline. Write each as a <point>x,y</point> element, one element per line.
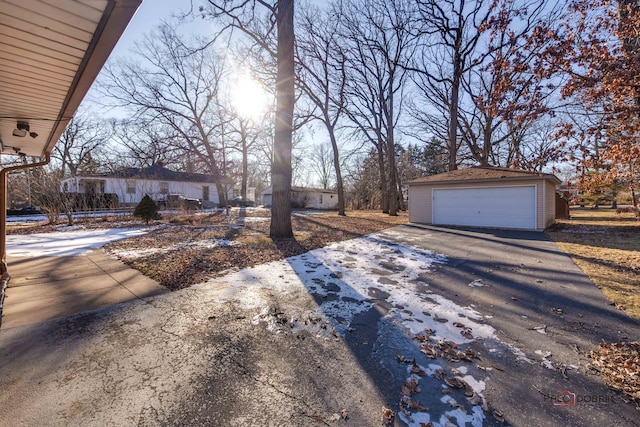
<point>540,302</point>
<point>246,350</point>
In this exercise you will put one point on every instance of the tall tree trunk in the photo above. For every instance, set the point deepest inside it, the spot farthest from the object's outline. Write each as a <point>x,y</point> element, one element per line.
<point>455,95</point>
<point>391,159</point>
<point>282,145</point>
<point>336,165</point>
<point>384,194</point>
<point>486,143</point>
<point>222,195</point>
<point>452,143</point>
<point>245,167</point>
<point>402,206</point>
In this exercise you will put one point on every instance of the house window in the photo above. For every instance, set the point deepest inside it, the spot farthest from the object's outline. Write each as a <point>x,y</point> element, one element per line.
<point>321,199</point>
<point>205,193</point>
<point>131,187</point>
<point>164,187</point>
<point>65,187</point>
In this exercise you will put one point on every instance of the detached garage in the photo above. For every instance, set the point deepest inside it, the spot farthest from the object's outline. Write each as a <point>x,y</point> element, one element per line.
<point>484,197</point>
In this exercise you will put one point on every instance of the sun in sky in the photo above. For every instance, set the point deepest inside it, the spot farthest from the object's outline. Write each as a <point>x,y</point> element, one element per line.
<point>249,97</point>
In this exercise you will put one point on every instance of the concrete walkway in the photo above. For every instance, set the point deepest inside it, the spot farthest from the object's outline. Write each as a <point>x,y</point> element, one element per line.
<point>44,288</point>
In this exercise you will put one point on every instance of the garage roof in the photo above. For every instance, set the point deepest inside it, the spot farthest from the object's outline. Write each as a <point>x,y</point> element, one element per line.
<point>483,174</point>
<point>51,51</point>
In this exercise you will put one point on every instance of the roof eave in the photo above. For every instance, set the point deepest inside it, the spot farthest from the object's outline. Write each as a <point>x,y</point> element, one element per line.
<point>115,19</point>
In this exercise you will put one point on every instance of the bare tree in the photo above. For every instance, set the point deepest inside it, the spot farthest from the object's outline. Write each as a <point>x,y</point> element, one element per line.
<point>362,177</point>
<point>146,143</point>
<point>377,39</point>
<point>247,137</point>
<point>322,78</point>
<point>79,144</point>
<point>449,34</point>
<point>177,84</point>
<point>321,162</point>
<point>538,147</point>
<point>480,68</point>
<point>47,195</point>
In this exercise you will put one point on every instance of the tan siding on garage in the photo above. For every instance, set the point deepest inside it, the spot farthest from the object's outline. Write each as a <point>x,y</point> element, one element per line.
<point>540,198</point>
<point>420,200</point>
<point>550,204</point>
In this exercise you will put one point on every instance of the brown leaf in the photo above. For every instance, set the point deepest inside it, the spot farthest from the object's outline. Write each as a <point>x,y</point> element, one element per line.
<point>387,416</point>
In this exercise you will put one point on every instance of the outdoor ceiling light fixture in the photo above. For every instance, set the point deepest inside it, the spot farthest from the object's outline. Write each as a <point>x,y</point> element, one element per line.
<point>22,128</point>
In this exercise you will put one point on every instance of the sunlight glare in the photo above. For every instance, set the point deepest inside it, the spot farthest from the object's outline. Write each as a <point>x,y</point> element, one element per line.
<point>249,97</point>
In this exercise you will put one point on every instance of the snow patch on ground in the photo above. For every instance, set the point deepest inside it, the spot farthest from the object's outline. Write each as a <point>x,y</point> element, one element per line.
<point>462,418</point>
<point>67,243</point>
<point>250,219</point>
<point>545,355</point>
<point>520,355</point>
<point>476,283</point>
<point>141,253</point>
<point>345,277</point>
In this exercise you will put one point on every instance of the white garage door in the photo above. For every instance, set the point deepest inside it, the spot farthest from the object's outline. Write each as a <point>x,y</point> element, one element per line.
<point>507,207</point>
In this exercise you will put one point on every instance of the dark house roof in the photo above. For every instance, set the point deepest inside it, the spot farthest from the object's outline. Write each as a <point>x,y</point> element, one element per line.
<point>482,174</point>
<point>157,172</point>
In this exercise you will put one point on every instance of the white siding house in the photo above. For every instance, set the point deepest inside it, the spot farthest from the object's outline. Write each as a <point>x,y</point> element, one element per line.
<point>130,185</point>
<point>306,197</point>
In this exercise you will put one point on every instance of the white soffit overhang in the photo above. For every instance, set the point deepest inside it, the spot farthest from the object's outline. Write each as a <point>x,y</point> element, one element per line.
<point>51,51</point>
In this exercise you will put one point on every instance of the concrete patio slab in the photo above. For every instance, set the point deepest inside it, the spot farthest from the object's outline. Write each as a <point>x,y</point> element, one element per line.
<point>44,288</point>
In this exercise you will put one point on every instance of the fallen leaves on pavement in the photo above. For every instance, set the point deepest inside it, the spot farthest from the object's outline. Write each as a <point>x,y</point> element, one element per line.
<point>387,416</point>
<point>619,365</point>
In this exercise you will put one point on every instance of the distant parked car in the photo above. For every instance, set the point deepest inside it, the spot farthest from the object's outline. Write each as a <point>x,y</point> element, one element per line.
<point>27,210</point>
<point>241,202</point>
<point>178,201</point>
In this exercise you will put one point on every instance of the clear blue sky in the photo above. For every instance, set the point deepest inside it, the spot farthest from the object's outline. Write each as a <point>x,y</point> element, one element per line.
<point>150,14</point>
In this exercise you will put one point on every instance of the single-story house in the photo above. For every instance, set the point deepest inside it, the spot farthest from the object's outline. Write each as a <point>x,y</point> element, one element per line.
<point>306,197</point>
<point>485,197</point>
<point>131,184</point>
<point>251,192</point>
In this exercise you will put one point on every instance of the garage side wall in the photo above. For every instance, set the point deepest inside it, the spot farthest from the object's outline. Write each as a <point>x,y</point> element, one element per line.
<point>550,204</point>
<point>540,204</point>
<point>420,201</point>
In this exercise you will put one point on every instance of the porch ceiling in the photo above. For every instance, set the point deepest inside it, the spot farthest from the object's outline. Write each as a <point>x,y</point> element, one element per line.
<point>51,51</point>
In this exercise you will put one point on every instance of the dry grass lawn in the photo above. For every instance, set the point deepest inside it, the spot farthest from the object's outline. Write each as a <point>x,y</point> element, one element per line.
<point>606,246</point>
<point>187,257</point>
